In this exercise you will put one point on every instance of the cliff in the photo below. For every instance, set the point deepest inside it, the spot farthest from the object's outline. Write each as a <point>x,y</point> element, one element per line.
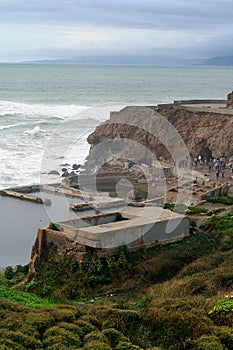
<point>205,129</point>
<point>230,100</point>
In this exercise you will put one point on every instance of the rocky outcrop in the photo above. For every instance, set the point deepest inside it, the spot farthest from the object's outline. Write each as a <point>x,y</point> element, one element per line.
<point>163,131</point>
<point>230,100</point>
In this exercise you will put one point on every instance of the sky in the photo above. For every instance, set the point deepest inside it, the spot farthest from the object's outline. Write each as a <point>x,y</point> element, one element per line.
<point>133,30</point>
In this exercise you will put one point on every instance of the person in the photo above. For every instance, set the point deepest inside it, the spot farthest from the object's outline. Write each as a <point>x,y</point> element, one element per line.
<point>217,173</point>
<point>223,172</point>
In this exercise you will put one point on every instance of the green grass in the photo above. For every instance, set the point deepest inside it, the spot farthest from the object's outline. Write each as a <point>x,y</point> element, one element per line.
<point>221,229</point>
<point>29,299</point>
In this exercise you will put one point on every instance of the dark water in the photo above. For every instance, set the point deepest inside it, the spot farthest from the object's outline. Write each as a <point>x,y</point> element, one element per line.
<point>20,220</point>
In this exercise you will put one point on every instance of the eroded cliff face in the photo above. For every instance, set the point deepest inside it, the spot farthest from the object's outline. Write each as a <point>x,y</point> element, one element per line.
<point>230,100</point>
<point>203,132</point>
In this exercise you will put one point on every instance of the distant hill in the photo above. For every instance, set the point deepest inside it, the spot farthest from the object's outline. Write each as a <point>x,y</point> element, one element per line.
<point>218,61</point>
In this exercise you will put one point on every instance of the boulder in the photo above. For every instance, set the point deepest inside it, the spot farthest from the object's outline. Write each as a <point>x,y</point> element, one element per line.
<point>76,166</point>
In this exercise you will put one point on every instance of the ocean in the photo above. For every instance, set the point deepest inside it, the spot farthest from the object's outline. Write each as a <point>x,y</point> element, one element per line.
<point>48,110</point>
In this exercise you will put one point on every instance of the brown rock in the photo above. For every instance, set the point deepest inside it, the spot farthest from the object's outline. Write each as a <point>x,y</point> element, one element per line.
<point>230,100</point>
<point>203,133</point>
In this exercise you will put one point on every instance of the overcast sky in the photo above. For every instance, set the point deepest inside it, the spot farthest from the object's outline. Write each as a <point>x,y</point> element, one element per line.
<point>53,29</point>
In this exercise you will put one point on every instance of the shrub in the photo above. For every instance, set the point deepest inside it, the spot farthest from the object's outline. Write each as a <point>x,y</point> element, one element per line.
<point>222,199</point>
<point>113,336</point>
<point>97,345</point>
<point>9,272</point>
<point>220,225</point>
<point>95,335</point>
<point>53,226</point>
<point>85,326</point>
<point>91,320</point>
<point>6,344</point>
<point>222,312</point>
<point>71,328</point>
<point>174,324</point>
<point>65,337</point>
<point>65,313</point>
<point>28,342</point>
<point>40,320</point>
<point>208,342</point>
<point>225,335</point>
<point>127,346</point>
<point>227,242</point>
<point>123,320</point>
<point>60,346</point>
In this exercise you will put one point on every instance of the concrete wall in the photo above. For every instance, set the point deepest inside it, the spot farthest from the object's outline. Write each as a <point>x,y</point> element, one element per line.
<point>148,233</point>
<point>133,232</point>
<point>89,221</point>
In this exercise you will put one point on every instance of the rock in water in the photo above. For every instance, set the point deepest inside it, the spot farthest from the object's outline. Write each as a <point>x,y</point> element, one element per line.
<point>54,172</point>
<point>76,166</point>
<point>65,174</point>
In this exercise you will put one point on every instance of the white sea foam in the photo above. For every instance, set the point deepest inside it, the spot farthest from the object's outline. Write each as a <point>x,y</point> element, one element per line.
<point>3,127</point>
<point>33,132</point>
<point>35,135</point>
<point>58,111</point>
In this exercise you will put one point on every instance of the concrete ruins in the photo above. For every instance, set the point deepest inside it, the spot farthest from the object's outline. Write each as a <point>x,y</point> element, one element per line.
<point>101,235</point>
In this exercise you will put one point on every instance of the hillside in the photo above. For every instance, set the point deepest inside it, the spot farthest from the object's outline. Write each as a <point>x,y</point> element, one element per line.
<point>218,61</point>
<point>169,297</point>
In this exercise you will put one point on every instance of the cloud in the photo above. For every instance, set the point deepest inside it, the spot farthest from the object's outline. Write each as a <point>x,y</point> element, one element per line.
<point>124,13</point>
<point>125,26</point>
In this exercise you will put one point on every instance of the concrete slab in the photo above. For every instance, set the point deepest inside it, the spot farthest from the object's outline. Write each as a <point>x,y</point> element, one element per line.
<point>131,227</point>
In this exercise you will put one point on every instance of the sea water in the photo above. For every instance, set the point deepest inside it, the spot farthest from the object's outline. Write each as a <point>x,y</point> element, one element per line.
<point>47,112</point>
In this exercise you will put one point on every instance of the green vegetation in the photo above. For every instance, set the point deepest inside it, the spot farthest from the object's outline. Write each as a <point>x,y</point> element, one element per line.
<point>78,281</point>
<point>222,199</point>
<point>174,297</point>
<point>182,208</point>
<point>33,300</point>
<point>53,226</point>
<point>221,228</point>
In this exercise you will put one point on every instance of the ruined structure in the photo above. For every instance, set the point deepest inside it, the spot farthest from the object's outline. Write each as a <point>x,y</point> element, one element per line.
<point>100,235</point>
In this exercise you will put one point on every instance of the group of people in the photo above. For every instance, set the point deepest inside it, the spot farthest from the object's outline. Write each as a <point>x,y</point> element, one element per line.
<point>219,165</point>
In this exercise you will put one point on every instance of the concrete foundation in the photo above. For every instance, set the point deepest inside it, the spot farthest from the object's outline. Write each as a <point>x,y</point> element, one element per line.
<point>130,227</point>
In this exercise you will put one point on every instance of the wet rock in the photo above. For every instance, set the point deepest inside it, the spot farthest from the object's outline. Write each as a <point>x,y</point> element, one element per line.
<point>53,172</point>
<point>76,166</point>
<point>65,174</point>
